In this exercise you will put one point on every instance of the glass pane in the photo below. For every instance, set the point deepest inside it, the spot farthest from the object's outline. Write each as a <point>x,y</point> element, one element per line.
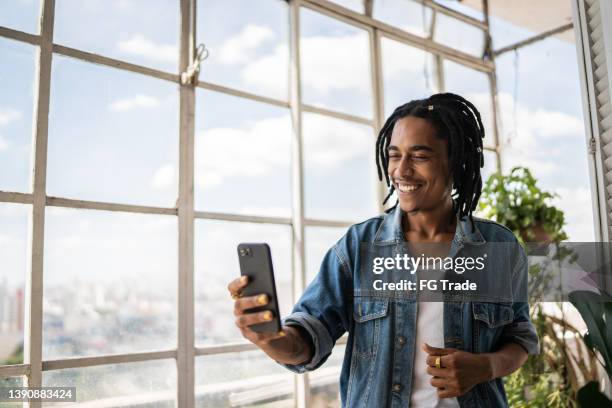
<point>543,127</point>
<point>16,102</point>
<point>216,264</point>
<point>248,379</point>
<point>408,15</point>
<point>250,49</point>
<point>462,8</point>
<point>113,135</point>
<point>474,86</point>
<point>324,382</point>
<point>13,265</point>
<point>144,384</point>
<point>335,62</point>
<point>339,169</point>
<point>243,156</point>
<point>355,5</point>
<point>459,35</point>
<point>20,15</point>
<point>144,32</point>
<point>116,292</point>
<point>318,241</point>
<point>490,165</point>
<point>408,73</point>
<point>9,382</point>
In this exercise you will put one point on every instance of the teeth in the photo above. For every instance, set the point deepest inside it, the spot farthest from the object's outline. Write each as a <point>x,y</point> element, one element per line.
<point>406,188</point>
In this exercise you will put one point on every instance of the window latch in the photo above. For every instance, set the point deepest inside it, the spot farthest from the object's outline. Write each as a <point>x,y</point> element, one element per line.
<point>190,77</point>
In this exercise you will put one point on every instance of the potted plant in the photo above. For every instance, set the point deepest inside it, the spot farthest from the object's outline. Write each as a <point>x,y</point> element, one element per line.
<point>516,201</point>
<point>554,377</point>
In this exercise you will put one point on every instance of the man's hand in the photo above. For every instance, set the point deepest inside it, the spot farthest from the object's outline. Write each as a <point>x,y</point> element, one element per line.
<point>460,370</point>
<point>287,346</point>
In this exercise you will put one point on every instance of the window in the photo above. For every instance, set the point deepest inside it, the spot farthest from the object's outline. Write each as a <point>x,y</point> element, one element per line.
<point>16,73</point>
<point>13,253</point>
<point>249,51</point>
<point>143,32</point>
<point>117,220</point>
<point>335,62</point>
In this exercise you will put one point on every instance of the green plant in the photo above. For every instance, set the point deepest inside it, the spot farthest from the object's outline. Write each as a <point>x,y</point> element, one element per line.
<point>596,311</point>
<point>516,201</point>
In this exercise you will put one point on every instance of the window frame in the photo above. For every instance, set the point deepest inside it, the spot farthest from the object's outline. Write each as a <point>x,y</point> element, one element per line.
<point>186,351</point>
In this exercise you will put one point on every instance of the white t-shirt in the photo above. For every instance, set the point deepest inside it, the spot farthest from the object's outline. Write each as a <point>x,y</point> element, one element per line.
<point>430,330</point>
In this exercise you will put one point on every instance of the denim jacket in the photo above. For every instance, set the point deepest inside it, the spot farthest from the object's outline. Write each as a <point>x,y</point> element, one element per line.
<point>378,362</point>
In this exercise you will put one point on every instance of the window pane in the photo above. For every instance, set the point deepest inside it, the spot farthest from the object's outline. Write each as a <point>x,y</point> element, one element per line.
<point>462,8</point>
<point>144,32</point>
<point>318,241</point>
<point>355,5</point>
<point>216,264</point>
<point>490,165</point>
<point>324,382</point>
<point>20,15</point>
<point>339,169</point>
<point>250,49</point>
<point>13,265</point>
<point>116,292</point>
<point>248,379</point>
<point>113,135</point>
<point>16,102</point>
<point>143,384</point>
<point>10,382</point>
<point>459,35</point>
<point>408,15</point>
<point>335,62</point>
<point>474,86</point>
<point>408,73</point>
<point>242,157</point>
<point>544,129</point>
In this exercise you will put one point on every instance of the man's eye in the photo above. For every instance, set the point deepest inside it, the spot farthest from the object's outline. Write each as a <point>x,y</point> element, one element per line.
<point>420,158</point>
<point>394,156</point>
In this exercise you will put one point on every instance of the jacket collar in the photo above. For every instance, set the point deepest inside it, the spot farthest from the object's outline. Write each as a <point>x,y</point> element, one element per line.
<point>390,229</point>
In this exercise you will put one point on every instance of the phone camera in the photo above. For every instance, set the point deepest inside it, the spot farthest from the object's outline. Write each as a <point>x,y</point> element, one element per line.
<point>245,251</point>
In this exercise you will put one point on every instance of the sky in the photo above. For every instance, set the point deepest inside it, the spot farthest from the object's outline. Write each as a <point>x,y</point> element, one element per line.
<point>113,135</point>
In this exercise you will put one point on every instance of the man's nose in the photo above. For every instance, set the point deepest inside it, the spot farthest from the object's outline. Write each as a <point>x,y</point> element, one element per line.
<point>406,166</point>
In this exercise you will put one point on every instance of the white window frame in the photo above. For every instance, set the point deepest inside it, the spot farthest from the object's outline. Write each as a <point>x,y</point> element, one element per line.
<point>186,351</point>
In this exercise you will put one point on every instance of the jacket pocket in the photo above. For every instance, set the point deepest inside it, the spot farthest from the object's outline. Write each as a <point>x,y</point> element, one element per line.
<point>369,316</point>
<point>493,314</point>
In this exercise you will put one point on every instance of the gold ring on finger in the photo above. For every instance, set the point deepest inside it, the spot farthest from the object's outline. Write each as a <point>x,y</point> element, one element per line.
<point>437,363</point>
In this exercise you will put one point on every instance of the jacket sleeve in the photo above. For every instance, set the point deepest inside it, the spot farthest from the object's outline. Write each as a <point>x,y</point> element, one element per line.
<point>322,311</point>
<point>521,331</point>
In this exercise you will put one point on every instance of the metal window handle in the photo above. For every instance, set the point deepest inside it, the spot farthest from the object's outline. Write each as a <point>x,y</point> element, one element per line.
<point>191,75</point>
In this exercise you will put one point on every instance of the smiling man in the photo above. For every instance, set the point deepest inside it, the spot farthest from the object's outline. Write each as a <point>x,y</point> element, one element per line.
<point>402,352</point>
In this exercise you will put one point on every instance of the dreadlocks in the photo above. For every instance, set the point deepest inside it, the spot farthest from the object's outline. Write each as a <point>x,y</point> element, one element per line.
<point>456,120</point>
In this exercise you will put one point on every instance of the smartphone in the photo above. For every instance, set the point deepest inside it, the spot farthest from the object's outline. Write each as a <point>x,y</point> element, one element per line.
<point>256,261</point>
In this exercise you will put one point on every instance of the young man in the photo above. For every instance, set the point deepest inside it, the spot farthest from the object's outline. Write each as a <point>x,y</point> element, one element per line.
<point>403,353</point>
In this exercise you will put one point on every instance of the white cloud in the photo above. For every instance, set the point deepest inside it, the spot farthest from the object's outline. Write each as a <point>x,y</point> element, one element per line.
<point>241,47</point>
<point>330,142</point>
<point>577,206</point>
<point>138,101</point>
<point>269,73</point>
<point>4,144</point>
<point>399,58</point>
<point>140,45</point>
<point>336,62</point>
<point>262,147</point>
<point>254,150</point>
<point>165,177</point>
<point>328,63</point>
<point>8,116</point>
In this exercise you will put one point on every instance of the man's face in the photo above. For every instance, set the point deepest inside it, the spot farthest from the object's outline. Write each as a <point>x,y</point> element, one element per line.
<point>418,165</point>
